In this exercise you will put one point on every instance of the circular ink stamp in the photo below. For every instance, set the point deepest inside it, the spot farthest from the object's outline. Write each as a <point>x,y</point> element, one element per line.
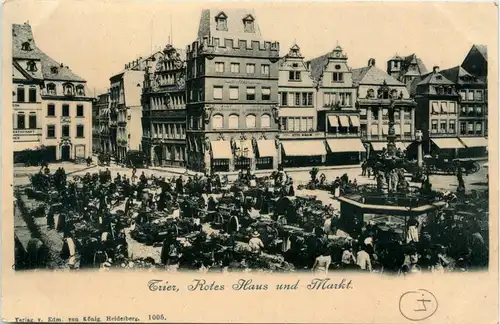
<point>418,305</point>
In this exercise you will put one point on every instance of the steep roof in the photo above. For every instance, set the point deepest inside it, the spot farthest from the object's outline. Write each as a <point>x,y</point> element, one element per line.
<point>435,78</point>
<point>318,65</point>
<point>483,49</point>
<point>412,85</point>
<point>235,27</point>
<point>373,75</point>
<point>22,34</point>
<point>457,73</point>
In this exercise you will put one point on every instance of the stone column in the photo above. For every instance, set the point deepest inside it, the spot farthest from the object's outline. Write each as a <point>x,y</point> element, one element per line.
<point>380,121</point>
<point>369,123</point>
<point>152,156</point>
<point>401,123</point>
<point>278,159</point>
<point>206,157</point>
<point>412,122</point>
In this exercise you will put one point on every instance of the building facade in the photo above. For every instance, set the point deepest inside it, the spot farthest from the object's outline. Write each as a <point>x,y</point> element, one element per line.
<point>105,143</point>
<point>406,68</point>
<point>55,113</point>
<point>232,94</point>
<point>476,62</point>
<point>438,102</point>
<point>338,116</point>
<point>377,91</point>
<point>95,127</point>
<point>472,107</point>
<point>164,109</point>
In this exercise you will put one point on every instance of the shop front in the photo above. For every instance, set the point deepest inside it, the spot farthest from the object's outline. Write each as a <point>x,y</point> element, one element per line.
<point>221,156</point>
<point>446,148</point>
<point>303,153</point>
<point>475,147</point>
<point>344,151</point>
<point>266,157</point>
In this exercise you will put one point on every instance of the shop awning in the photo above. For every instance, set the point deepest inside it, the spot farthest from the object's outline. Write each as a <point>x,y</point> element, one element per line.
<point>385,129</point>
<point>379,146</point>
<point>267,148</point>
<point>247,148</point>
<point>374,129</point>
<point>448,143</point>
<point>334,121</point>
<point>221,150</point>
<point>402,145</point>
<point>344,121</point>
<point>474,141</point>
<point>345,145</point>
<point>354,121</point>
<point>304,148</point>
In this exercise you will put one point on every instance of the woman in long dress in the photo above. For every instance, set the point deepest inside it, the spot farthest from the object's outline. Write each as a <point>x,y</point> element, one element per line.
<point>322,262</point>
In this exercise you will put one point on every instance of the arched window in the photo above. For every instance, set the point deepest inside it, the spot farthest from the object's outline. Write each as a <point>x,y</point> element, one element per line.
<point>250,121</point>
<point>370,93</point>
<point>233,121</point>
<point>68,89</point>
<point>31,66</point>
<point>265,121</point>
<point>80,90</point>
<point>51,88</point>
<point>217,121</point>
<point>394,93</point>
<point>26,46</point>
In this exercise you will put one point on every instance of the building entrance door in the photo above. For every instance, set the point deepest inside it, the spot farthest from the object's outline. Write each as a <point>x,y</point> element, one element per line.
<point>65,153</point>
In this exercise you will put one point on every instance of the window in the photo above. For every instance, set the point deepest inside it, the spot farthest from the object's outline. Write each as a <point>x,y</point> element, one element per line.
<point>452,108</point>
<point>233,93</point>
<point>250,121</point>
<point>235,67</point>
<point>449,90</point>
<point>219,67</point>
<point>32,95</point>
<point>451,127</point>
<point>79,110</point>
<point>32,120</point>
<point>470,128</point>
<point>51,88</point>
<point>435,107</point>
<point>462,94</point>
<point>250,68</point>
<point>51,131</point>
<point>217,121</point>
<point>233,121</point>
<point>20,94</point>
<point>221,22</point>
<point>479,128</point>
<point>21,120</point>
<point>250,93</point>
<point>265,121</point>
<point>294,75</point>
<point>65,130</point>
<point>338,77</point>
<point>264,69</point>
<point>296,124</point>
<point>337,67</point>
<point>463,127</point>
<point>65,110</point>
<point>51,110</point>
<point>434,126</point>
<point>249,26</point>
<point>362,111</point>
<point>310,124</point>
<point>303,124</point>
<point>26,46</point>
<point>31,66</point>
<point>478,95</point>
<point>471,110</point>
<point>479,110</point>
<point>68,90</point>
<point>80,90</point>
<point>470,95</point>
<point>266,93</point>
<point>441,90</point>
<point>283,99</point>
<point>283,124</point>
<point>442,126</point>
<point>290,124</point>
<point>79,131</point>
<point>297,99</point>
<point>217,92</point>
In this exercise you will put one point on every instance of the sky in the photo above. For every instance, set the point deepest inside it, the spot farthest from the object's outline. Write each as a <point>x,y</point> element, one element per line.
<point>97,38</point>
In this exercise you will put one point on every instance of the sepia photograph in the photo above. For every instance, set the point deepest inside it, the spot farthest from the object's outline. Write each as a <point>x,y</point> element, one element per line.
<point>214,142</point>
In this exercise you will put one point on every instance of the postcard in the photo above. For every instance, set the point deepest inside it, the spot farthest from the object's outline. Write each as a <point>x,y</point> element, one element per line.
<point>249,162</point>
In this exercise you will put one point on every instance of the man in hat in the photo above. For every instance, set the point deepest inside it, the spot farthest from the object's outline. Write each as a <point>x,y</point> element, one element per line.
<point>255,242</point>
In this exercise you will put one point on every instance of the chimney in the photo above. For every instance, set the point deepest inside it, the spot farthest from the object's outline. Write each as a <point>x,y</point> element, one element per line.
<point>435,69</point>
<point>371,62</point>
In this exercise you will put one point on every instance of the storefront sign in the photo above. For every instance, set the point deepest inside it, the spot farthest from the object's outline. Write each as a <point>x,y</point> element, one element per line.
<point>28,138</point>
<point>242,81</point>
<point>27,132</point>
<point>241,108</point>
<point>305,134</point>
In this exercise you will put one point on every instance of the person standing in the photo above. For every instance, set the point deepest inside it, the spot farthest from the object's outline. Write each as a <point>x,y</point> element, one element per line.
<point>322,262</point>
<point>363,260</point>
<point>412,235</point>
<point>255,243</point>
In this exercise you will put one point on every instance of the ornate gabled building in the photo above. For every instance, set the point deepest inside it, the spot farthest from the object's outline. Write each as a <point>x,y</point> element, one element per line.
<point>472,111</point>
<point>51,105</point>
<point>338,116</point>
<point>406,68</point>
<point>377,91</point>
<point>164,108</point>
<point>437,100</point>
<point>299,139</point>
<point>232,94</point>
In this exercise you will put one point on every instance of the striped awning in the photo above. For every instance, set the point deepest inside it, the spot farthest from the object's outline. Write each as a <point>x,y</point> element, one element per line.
<point>304,148</point>
<point>334,121</point>
<point>345,145</point>
<point>221,150</point>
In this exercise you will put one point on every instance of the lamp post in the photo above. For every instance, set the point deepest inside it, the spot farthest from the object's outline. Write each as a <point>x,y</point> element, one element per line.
<point>418,140</point>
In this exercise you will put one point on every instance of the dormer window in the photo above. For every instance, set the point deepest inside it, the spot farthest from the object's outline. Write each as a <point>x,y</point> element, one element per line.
<point>221,21</point>
<point>53,70</point>
<point>68,89</point>
<point>248,22</point>
<point>80,90</point>
<point>370,93</point>
<point>26,46</point>
<point>51,88</point>
<point>31,66</point>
